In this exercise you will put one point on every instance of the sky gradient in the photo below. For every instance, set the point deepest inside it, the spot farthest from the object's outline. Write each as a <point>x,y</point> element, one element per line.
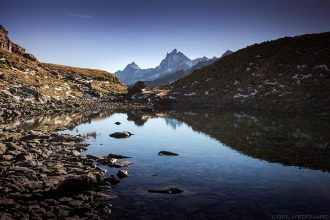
<point>109,34</point>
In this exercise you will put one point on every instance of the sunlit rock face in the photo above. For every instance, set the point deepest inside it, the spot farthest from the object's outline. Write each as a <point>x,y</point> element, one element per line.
<point>7,45</point>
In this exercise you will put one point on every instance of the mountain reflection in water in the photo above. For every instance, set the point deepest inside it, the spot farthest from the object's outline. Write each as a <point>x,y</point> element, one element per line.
<point>296,141</point>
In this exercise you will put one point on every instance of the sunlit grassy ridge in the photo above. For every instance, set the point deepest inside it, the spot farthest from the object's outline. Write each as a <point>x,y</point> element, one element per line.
<point>55,80</point>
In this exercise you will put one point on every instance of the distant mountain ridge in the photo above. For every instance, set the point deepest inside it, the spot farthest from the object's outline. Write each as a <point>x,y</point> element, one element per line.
<point>170,78</point>
<point>173,62</point>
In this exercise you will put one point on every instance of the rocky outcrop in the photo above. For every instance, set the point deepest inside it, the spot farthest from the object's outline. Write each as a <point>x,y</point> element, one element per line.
<point>7,45</point>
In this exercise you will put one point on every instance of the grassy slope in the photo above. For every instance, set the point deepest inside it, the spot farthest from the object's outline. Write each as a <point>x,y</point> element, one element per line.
<point>55,80</point>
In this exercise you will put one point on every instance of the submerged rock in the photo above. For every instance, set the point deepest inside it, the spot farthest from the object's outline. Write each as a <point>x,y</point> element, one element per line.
<point>122,164</point>
<point>117,156</point>
<point>167,153</point>
<point>108,161</point>
<point>93,157</point>
<point>123,134</point>
<point>98,196</point>
<point>166,191</point>
<point>112,180</point>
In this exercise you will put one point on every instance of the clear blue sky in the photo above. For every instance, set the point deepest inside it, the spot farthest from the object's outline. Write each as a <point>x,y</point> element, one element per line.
<point>109,34</point>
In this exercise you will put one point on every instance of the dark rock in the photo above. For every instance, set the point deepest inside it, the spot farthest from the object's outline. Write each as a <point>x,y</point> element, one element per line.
<point>25,157</point>
<point>122,174</point>
<point>166,191</point>
<point>123,134</point>
<point>12,146</point>
<point>76,184</point>
<point>136,88</point>
<point>29,56</point>
<point>167,153</point>
<point>112,180</point>
<point>117,156</point>
<point>92,157</point>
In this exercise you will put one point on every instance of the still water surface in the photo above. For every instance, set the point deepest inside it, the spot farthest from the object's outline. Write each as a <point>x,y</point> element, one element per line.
<point>230,165</point>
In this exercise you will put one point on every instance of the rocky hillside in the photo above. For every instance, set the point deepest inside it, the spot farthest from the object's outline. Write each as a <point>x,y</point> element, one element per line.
<point>290,74</point>
<point>26,81</point>
<point>173,62</point>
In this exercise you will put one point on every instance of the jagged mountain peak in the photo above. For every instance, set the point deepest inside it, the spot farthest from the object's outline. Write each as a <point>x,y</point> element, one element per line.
<point>173,52</point>
<point>132,65</point>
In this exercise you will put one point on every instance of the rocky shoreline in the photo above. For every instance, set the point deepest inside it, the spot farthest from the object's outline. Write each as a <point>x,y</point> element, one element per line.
<point>10,109</point>
<point>44,175</point>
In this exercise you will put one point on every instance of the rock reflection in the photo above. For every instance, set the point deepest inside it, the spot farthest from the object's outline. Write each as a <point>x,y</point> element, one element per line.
<point>55,122</point>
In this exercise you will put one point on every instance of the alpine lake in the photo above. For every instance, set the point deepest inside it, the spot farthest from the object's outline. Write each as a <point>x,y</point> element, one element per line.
<point>230,165</point>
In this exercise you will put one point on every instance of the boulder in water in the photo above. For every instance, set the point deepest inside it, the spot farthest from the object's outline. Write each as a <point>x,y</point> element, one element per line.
<point>123,134</point>
<point>167,153</point>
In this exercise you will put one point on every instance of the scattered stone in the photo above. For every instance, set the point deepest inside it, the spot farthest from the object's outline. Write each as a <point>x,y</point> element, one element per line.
<point>167,153</point>
<point>36,166</point>
<point>75,153</point>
